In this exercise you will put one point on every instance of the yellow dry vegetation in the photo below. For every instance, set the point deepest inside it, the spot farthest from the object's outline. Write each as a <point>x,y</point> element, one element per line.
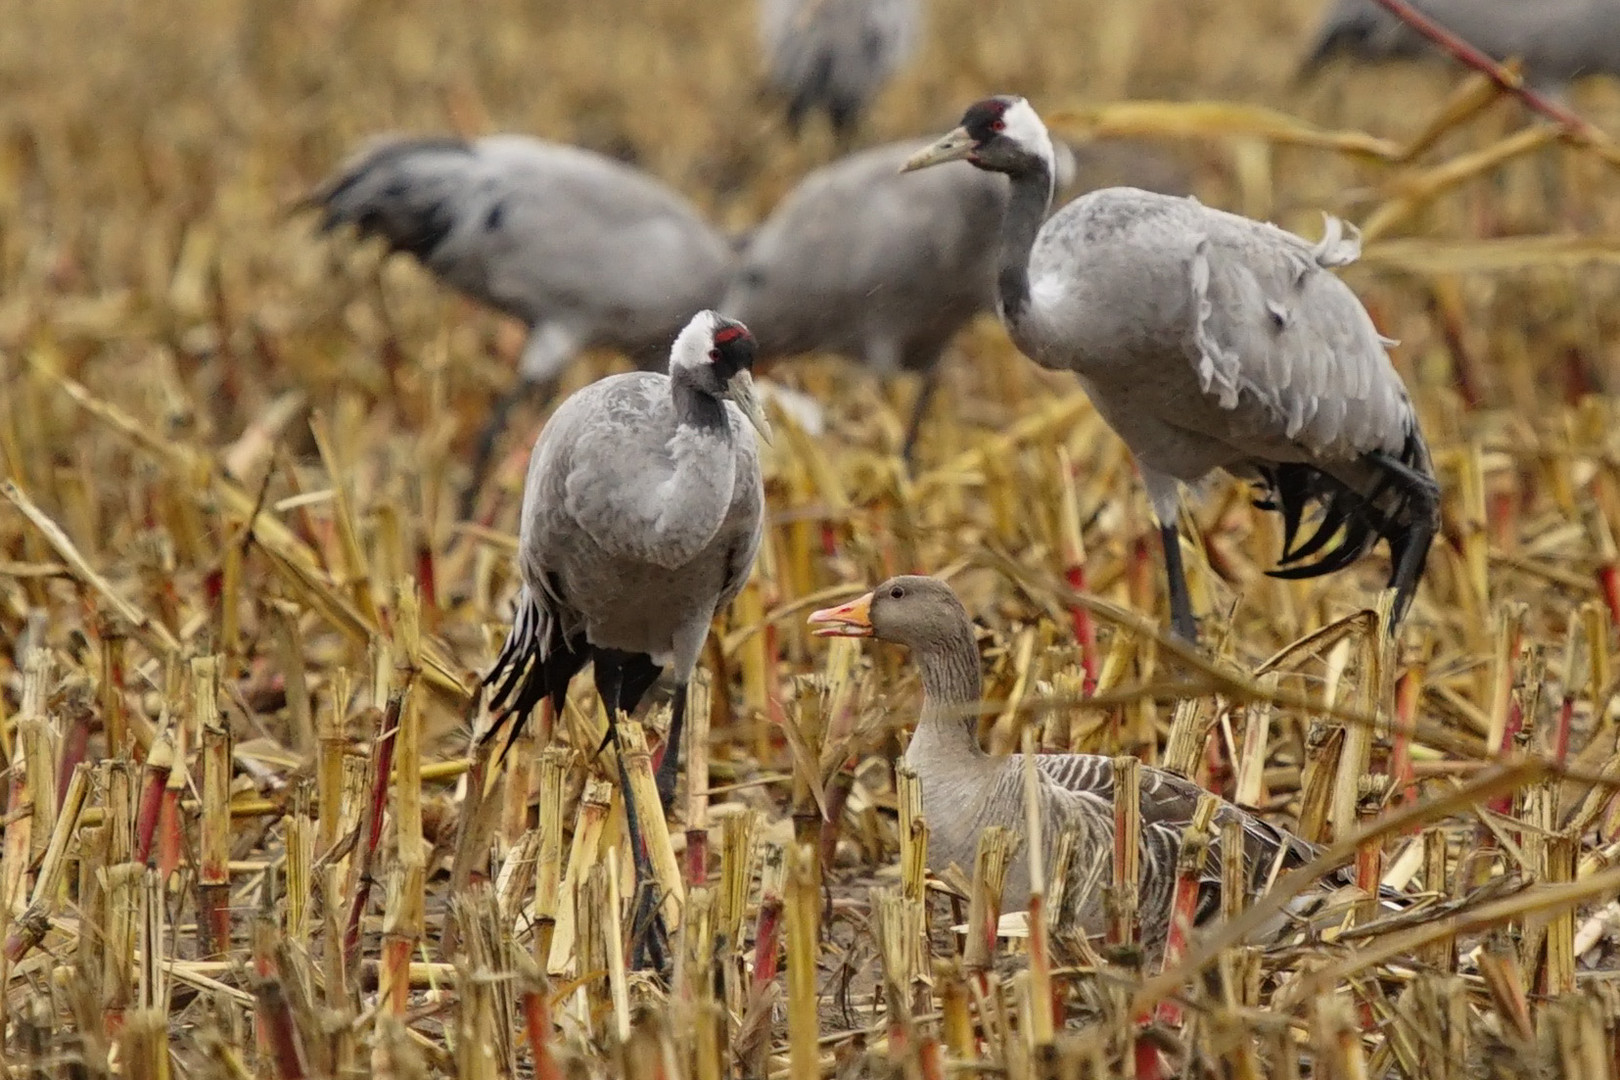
<point>232,449</point>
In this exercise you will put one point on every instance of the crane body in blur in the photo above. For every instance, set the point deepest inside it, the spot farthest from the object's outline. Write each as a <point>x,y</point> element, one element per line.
<point>1558,41</point>
<point>834,56</point>
<point>585,251</point>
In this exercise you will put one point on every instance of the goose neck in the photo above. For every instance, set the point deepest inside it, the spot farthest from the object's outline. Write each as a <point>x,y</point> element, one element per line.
<point>952,690</point>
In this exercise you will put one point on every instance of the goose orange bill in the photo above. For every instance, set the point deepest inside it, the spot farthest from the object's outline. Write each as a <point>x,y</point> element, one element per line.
<point>853,619</point>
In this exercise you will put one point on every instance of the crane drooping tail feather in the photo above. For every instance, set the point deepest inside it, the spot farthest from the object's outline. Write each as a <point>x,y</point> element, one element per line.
<point>1402,508</point>
<point>536,663</point>
<point>539,660</point>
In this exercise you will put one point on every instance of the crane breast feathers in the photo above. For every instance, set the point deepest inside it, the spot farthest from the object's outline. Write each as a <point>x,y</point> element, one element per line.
<point>638,489</point>
<point>1271,323</point>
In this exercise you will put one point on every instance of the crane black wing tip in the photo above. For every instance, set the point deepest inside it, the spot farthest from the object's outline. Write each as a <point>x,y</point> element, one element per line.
<point>350,196</point>
<point>1402,508</point>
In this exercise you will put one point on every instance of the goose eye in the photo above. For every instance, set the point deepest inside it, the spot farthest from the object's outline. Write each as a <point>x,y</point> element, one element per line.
<point>896,593</point>
<point>714,354</point>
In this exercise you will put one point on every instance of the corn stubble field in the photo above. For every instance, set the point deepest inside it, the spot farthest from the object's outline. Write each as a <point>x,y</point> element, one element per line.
<point>242,623</point>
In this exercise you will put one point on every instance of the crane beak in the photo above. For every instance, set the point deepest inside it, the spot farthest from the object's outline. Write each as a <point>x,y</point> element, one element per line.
<point>740,388</point>
<point>853,619</point>
<point>954,146</point>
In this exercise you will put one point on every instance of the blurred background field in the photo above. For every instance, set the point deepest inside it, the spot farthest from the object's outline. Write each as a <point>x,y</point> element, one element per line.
<point>250,439</point>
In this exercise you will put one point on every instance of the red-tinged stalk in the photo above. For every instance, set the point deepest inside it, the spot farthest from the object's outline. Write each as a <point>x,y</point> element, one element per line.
<point>279,1033</point>
<point>426,573</point>
<point>371,825</point>
<point>1407,692</point>
<point>1074,569</point>
<point>1577,671</point>
<point>75,742</point>
<point>931,1059</point>
<point>1608,570</point>
<point>839,786</point>
<point>1140,573</point>
<point>1576,128</point>
<point>159,764</point>
<point>1609,582</point>
<point>1195,841</point>
<point>1149,1064</point>
<point>170,831</point>
<point>537,1029</point>
<point>768,927</point>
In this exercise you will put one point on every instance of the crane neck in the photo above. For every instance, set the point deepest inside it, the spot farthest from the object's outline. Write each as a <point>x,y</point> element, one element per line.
<point>690,497</point>
<point>695,407</point>
<point>1031,197</point>
<point>952,689</point>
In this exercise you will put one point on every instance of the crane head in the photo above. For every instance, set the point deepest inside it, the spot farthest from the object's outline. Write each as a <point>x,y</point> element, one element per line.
<point>717,355</point>
<point>1000,134</point>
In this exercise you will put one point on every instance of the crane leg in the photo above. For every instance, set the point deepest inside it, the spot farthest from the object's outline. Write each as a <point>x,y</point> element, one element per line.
<point>670,766</point>
<point>1181,612</point>
<point>621,679</point>
<point>919,410</point>
<point>488,436</point>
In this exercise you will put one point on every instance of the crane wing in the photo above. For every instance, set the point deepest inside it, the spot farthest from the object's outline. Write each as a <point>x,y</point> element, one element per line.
<point>1277,335</point>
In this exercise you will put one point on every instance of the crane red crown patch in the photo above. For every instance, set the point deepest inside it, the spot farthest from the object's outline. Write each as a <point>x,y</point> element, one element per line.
<point>727,334</point>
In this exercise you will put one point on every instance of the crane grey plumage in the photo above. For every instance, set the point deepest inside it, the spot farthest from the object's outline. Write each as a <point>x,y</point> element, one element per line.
<point>856,260</point>
<point>835,55</point>
<point>1210,341</point>
<point>965,790</point>
<point>642,514</point>
<point>586,251</point>
<point>1558,40</point>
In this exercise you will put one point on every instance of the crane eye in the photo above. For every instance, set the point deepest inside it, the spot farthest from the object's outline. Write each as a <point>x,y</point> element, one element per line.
<point>998,125</point>
<point>896,593</point>
<point>714,354</point>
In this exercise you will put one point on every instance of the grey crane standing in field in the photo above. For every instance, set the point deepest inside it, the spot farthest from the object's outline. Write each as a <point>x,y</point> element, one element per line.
<point>835,55</point>
<point>857,261</point>
<point>586,251</point>
<point>1210,341</point>
<point>1558,40</point>
<point>642,513</point>
<point>965,790</point>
